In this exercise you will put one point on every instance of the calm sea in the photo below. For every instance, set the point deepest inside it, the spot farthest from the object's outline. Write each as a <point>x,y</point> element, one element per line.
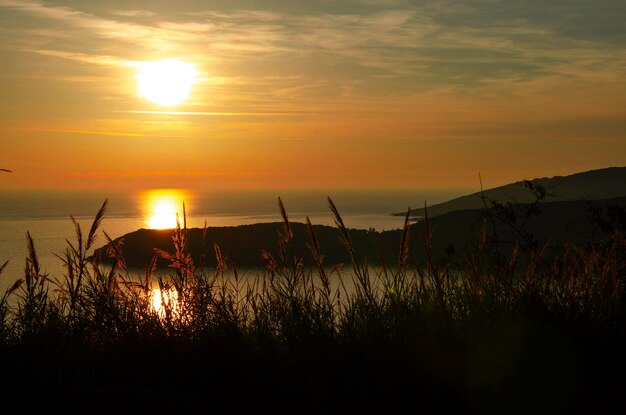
<point>46,215</point>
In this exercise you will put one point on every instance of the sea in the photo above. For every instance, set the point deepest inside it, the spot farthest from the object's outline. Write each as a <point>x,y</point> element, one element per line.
<point>45,214</point>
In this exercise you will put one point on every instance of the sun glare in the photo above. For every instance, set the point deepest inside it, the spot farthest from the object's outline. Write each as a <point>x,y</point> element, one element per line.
<point>162,207</point>
<point>162,299</point>
<point>166,82</point>
<point>163,216</point>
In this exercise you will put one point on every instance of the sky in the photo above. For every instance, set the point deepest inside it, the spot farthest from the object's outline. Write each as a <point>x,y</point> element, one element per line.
<point>311,94</point>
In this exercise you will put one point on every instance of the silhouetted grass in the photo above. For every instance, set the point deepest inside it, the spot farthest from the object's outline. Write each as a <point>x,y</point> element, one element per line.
<point>545,335</point>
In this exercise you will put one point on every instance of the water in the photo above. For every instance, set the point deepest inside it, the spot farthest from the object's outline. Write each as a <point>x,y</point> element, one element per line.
<point>46,215</point>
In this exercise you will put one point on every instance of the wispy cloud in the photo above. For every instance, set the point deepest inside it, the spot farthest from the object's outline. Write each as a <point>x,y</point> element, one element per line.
<point>79,132</point>
<point>82,57</point>
<point>430,43</point>
<point>222,114</point>
<point>338,57</point>
<point>132,13</point>
<point>108,28</point>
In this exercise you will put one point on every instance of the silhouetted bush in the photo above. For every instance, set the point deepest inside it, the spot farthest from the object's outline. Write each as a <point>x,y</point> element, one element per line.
<point>546,334</point>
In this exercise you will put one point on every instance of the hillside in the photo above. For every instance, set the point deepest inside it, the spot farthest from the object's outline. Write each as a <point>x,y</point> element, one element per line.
<point>590,185</point>
<point>557,222</point>
<point>243,245</point>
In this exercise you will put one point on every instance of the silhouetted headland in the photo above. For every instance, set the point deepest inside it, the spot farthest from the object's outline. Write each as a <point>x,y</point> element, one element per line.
<point>598,184</point>
<point>578,222</point>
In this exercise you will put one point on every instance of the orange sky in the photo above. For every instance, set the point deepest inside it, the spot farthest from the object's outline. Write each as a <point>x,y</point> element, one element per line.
<point>359,94</point>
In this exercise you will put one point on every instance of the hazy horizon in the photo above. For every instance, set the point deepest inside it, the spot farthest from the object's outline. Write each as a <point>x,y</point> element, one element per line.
<point>46,214</point>
<point>24,203</point>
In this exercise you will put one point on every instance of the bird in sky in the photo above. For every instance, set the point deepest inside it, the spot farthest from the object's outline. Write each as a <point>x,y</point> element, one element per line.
<point>7,170</point>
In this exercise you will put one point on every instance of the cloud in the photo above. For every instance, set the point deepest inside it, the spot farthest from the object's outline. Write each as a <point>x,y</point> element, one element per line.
<point>223,114</point>
<point>390,47</point>
<point>82,57</point>
<point>132,13</point>
<point>104,27</point>
<point>81,132</point>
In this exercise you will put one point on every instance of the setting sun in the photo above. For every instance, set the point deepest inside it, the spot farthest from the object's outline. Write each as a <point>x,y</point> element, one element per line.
<point>166,82</point>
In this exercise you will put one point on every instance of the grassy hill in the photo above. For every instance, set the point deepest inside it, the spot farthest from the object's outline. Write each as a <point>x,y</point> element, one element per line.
<point>590,185</point>
<point>555,222</point>
<point>491,334</point>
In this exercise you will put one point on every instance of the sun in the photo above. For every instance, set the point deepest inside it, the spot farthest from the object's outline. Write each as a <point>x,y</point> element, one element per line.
<point>167,82</point>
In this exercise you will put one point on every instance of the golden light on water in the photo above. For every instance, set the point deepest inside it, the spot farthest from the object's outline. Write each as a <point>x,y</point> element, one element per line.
<point>163,216</point>
<point>167,82</point>
<point>162,206</point>
<point>164,298</point>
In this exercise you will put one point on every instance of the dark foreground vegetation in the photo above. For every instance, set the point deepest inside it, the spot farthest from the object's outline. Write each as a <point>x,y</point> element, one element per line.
<point>493,334</point>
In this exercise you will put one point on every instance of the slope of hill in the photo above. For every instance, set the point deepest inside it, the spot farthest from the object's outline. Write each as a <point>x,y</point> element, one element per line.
<point>590,185</point>
<point>243,245</point>
<point>573,222</point>
<point>453,232</point>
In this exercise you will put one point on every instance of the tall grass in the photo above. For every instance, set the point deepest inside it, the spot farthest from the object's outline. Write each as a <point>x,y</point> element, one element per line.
<point>482,337</point>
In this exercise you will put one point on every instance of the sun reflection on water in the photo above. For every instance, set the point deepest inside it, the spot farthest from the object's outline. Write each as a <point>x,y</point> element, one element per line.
<point>163,299</point>
<point>162,206</point>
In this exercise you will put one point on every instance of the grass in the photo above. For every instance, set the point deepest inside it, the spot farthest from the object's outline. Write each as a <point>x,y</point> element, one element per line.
<point>495,335</point>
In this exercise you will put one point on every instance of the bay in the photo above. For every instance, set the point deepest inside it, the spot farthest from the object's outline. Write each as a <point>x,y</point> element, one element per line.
<point>46,215</point>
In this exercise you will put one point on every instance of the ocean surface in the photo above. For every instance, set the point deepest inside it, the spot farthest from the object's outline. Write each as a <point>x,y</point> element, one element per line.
<point>46,215</point>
